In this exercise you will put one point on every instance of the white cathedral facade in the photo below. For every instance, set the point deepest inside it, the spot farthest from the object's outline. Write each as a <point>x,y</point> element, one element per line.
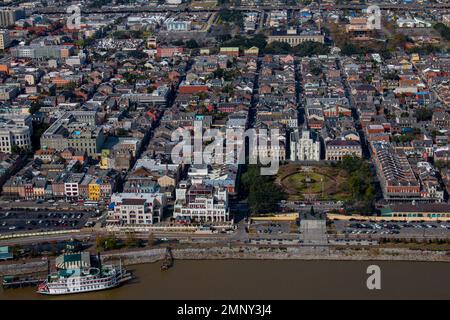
<point>304,146</point>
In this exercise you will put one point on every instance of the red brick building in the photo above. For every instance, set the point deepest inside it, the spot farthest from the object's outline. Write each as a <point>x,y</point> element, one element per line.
<point>168,52</point>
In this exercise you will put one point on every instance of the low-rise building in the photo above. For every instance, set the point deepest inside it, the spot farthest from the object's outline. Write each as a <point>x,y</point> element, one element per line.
<point>336,150</point>
<point>174,25</point>
<point>397,178</point>
<point>417,211</point>
<point>294,38</point>
<point>8,92</point>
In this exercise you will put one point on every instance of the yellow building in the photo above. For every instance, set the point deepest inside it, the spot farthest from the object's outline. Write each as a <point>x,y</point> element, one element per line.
<point>166,181</point>
<point>405,65</point>
<point>94,191</point>
<point>253,51</point>
<point>204,51</point>
<point>39,192</point>
<point>230,51</point>
<point>104,159</point>
<point>415,57</point>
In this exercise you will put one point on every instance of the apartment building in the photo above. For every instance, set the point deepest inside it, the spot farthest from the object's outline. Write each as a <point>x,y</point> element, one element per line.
<point>5,40</point>
<point>201,203</point>
<point>36,51</point>
<point>10,15</point>
<point>136,208</point>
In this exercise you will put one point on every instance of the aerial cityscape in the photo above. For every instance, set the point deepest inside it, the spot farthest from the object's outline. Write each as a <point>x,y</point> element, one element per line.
<point>184,144</point>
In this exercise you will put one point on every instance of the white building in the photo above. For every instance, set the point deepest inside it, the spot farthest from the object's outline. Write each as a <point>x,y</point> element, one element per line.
<point>250,21</point>
<point>413,23</point>
<point>305,147</point>
<point>14,135</point>
<point>72,182</point>
<point>136,208</point>
<point>71,189</point>
<point>270,151</point>
<point>201,203</point>
<point>277,18</point>
<point>446,20</point>
<point>77,60</point>
<point>174,25</point>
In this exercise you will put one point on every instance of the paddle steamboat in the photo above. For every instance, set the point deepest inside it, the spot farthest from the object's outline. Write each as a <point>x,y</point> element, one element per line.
<point>75,274</point>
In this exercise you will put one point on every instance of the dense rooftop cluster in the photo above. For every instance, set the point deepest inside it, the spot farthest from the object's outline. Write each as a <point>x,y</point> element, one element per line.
<point>88,113</point>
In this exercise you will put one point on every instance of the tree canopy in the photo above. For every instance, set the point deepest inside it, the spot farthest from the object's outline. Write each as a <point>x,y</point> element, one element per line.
<point>359,180</point>
<point>443,30</point>
<point>424,114</point>
<point>263,194</point>
<point>231,16</point>
<point>257,40</point>
<point>305,49</point>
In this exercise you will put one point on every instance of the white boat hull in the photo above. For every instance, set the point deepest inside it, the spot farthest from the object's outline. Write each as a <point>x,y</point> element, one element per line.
<point>73,289</point>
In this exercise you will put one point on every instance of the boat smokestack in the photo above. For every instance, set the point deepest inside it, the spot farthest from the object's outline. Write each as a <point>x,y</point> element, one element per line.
<point>99,258</point>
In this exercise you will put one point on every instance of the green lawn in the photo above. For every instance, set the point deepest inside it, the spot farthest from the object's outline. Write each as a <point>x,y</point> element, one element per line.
<point>325,182</point>
<point>298,182</point>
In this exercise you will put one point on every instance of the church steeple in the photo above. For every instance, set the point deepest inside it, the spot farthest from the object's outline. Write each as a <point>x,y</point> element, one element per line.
<point>304,126</point>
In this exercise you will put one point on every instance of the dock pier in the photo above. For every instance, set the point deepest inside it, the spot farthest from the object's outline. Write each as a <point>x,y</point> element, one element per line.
<point>30,279</point>
<point>168,260</point>
<point>11,282</point>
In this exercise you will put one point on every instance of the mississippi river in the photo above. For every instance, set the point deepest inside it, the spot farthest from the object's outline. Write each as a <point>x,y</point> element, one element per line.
<point>272,279</point>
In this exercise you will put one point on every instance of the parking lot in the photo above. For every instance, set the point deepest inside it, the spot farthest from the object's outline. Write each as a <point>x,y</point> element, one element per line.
<point>262,227</point>
<point>20,221</point>
<point>49,205</point>
<point>404,229</point>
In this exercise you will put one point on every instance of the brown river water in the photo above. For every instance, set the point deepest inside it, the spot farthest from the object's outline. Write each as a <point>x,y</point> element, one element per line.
<point>271,279</point>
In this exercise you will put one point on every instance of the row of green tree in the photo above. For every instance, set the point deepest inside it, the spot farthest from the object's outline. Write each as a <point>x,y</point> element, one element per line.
<point>307,48</point>
<point>111,242</point>
<point>443,30</point>
<point>231,16</point>
<point>360,180</point>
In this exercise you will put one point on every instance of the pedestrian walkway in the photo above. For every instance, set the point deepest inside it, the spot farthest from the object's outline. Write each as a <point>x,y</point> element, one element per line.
<point>313,230</point>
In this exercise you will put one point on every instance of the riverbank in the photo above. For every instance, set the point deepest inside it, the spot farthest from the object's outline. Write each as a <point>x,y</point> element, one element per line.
<point>25,267</point>
<point>286,253</point>
<point>136,257</point>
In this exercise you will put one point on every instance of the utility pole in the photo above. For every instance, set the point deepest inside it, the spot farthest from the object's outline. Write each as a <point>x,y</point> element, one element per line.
<point>321,181</point>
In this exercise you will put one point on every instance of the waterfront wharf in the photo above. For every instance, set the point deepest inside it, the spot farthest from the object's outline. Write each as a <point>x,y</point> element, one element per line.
<point>12,282</point>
